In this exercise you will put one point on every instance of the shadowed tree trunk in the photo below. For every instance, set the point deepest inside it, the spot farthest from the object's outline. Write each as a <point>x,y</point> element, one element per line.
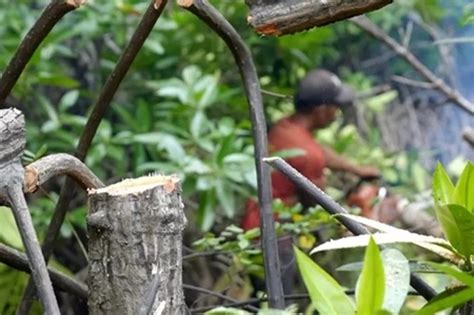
<point>135,247</point>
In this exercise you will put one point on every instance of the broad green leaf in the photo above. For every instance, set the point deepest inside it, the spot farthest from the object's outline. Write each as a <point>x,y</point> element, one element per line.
<point>443,188</point>
<point>371,284</point>
<point>397,280</point>
<point>327,296</point>
<point>464,221</point>
<point>447,301</point>
<point>443,193</point>
<point>463,277</point>
<point>464,191</point>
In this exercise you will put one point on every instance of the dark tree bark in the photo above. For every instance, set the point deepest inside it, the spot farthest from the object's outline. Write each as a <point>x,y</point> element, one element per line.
<point>280,17</point>
<point>135,245</point>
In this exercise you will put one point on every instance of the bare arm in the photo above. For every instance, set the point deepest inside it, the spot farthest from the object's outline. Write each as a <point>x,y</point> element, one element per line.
<point>336,162</point>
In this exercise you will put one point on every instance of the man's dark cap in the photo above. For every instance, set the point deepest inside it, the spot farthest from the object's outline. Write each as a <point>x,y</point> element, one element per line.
<point>321,87</point>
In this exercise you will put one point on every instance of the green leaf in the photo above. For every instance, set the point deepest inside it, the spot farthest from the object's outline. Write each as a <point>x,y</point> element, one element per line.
<point>327,296</point>
<point>443,188</point>
<point>226,198</point>
<point>377,103</point>
<point>464,221</point>
<point>68,100</point>
<point>198,124</point>
<point>443,193</point>
<point>206,214</point>
<point>464,191</point>
<point>397,280</point>
<point>447,301</point>
<point>371,284</point>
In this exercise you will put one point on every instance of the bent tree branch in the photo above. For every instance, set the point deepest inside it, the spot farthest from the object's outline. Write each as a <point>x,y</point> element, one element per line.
<point>42,170</point>
<point>243,58</point>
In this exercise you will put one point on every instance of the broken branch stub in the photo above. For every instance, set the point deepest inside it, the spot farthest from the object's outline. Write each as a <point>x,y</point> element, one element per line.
<point>280,17</point>
<point>135,232</point>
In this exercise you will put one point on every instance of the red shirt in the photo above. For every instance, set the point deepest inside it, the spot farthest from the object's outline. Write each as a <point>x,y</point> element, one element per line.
<point>284,135</point>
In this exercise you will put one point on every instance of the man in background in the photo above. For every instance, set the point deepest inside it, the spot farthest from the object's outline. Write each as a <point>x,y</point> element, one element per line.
<point>319,97</point>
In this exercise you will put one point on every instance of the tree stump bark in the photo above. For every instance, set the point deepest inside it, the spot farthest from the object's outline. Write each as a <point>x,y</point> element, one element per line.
<point>280,17</point>
<point>135,244</point>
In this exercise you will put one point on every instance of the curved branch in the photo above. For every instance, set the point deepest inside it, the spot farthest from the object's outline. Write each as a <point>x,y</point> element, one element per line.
<point>107,92</point>
<point>243,58</point>
<point>16,259</point>
<point>452,94</point>
<point>42,170</point>
<point>333,208</point>
<point>38,32</point>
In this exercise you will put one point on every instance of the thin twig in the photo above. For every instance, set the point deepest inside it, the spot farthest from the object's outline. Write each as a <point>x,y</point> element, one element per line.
<point>217,294</point>
<point>107,92</point>
<point>207,13</point>
<point>16,259</point>
<point>365,24</point>
<point>37,33</point>
<point>42,170</point>
<point>332,207</point>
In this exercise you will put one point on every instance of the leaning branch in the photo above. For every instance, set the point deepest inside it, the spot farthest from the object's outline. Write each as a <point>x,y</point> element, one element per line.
<point>106,95</point>
<point>333,208</point>
<point>453,95</point>
<point>38,32</point>
<point>207,13</point>
<point>42,170</point>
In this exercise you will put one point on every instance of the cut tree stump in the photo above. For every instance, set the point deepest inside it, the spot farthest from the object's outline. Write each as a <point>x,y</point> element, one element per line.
<point>280,17</point>
<point>135,243</point>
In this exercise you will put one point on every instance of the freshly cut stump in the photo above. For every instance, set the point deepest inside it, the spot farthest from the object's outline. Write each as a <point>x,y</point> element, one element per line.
<point>135,231</point>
